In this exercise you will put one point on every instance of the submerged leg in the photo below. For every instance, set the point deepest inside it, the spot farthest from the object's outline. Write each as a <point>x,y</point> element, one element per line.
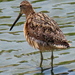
<point>41,59</point>
<point>52,63</point>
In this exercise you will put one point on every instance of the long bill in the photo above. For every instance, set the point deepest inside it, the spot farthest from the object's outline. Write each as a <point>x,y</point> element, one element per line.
<point>20,14</point>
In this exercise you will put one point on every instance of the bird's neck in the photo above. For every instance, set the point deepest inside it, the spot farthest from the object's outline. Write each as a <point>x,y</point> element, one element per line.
<point>29,12</point>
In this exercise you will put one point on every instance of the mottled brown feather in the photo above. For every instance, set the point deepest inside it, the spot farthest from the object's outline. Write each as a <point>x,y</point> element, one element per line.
<point>41,31</point>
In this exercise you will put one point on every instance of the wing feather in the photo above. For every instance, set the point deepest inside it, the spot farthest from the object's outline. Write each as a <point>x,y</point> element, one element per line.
<point>43,28</point>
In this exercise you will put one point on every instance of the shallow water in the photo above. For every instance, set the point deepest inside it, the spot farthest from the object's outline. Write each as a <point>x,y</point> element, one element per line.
<point>17,57</point>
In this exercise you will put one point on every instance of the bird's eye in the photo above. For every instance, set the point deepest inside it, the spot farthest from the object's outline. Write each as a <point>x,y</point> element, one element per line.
<point>20,5</point>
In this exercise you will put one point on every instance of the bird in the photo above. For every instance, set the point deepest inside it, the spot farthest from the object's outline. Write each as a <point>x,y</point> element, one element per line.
<point>41,31</point>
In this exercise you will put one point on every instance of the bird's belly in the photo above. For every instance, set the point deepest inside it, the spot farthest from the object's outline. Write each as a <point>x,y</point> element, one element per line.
<point>38,44</point>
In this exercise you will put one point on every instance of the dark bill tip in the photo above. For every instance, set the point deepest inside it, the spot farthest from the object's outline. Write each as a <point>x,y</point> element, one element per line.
<point>16,21</point>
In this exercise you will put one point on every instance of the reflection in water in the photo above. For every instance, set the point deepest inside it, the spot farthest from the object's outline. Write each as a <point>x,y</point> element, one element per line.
<point>52,63</point>
<point>52,73</point>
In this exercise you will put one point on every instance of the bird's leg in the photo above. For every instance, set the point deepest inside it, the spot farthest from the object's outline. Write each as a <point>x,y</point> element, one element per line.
<point>41,58</point>
<point>52,62</point>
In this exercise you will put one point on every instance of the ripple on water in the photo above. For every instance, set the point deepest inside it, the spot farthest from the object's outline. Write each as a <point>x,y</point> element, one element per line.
<point>17,57</point>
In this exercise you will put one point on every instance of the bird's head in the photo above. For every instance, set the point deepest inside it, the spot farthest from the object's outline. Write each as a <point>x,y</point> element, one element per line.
<point>25,8</point>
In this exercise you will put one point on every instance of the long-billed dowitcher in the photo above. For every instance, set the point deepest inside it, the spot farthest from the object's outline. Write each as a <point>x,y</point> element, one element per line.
<point>41,31</point>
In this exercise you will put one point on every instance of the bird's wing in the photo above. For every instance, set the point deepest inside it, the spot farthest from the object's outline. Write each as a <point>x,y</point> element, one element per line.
<point>45,29</point>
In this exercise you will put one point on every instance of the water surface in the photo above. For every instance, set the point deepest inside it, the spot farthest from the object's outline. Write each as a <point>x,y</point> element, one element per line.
<point>17,57</point>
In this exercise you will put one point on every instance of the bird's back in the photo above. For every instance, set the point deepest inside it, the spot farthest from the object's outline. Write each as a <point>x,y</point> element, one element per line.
<point>43,32</point>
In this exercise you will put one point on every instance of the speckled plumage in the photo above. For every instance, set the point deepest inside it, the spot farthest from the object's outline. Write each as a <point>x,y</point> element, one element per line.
<point>41,31</point>
<point>44,31</point>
